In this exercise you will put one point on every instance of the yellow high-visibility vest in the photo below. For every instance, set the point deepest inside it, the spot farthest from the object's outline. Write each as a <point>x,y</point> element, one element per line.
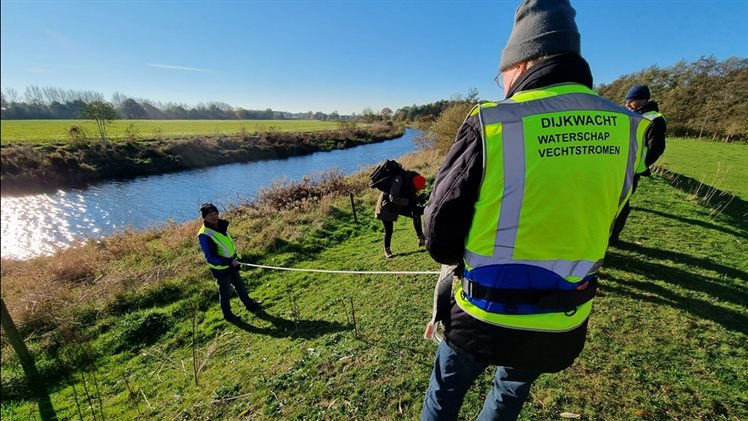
<point>225,245</point>
<point>558,167</point>
<point>649,115</point>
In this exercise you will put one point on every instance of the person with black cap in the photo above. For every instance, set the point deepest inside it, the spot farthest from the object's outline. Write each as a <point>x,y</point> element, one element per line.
<point>220,253</point>
<point>521,211</point>
<point>638,100</point>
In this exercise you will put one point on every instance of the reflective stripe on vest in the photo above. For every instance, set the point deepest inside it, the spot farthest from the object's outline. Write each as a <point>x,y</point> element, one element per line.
<point>224,243</point>
<point>558,163</point>
<point>649,115</point>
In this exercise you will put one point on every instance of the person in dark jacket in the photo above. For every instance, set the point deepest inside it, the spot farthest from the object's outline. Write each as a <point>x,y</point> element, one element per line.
<point>402,199</point>
<point>638,100</point>
<point>220,253</point>
<point>542,59</point>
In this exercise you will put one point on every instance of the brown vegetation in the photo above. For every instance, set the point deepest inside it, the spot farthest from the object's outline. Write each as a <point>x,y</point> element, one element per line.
<point>441,134</point>
<point>55,292</point>
<point>51,292</point>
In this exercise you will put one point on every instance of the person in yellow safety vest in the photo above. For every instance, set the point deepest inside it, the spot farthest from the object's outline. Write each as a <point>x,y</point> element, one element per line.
<point>220,253</point>
<point>638,100</point>
<point>523,205</point>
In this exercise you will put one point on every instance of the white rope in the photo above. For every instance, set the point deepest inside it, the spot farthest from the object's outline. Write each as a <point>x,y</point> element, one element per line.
<point>356,272</point>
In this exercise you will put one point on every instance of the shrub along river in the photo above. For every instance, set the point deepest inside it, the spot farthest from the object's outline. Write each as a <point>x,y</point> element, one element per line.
<point>39,224</point>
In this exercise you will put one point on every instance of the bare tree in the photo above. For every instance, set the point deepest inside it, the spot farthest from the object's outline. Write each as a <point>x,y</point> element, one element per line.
<point>472,96</point>
<point>118,98</point>
<point>368,114</point>
<point>53,94</point>
<point>101,112</point>
<point>34,95</point>
<point>73,95</point>
<point>90,96</point>
<point>221,106</point>
<point>11,95</point>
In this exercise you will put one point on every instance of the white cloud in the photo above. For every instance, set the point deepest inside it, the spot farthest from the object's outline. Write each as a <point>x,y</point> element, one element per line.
<point>185,68</point>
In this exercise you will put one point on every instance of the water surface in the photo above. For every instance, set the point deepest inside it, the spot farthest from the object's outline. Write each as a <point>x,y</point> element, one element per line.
<point>39,224</point>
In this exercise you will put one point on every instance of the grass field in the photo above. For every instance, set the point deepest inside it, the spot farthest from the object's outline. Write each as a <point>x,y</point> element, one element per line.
<point>667,337</point>
<point>45,131</point>
<point>721,165</point>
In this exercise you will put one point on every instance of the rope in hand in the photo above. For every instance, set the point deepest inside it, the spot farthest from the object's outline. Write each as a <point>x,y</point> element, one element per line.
<point>356,272</point>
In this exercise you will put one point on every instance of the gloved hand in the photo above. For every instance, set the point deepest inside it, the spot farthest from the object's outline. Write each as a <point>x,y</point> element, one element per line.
<point>245,260</point>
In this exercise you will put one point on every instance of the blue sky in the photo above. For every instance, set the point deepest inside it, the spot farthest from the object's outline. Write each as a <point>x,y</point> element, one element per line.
<point>330,55</point>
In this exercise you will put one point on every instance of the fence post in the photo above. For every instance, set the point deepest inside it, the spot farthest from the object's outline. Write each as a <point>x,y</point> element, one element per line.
<point>353,208</point>
<point>46,410</point>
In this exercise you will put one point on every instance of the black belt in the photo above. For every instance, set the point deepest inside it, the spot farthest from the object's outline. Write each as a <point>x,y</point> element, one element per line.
<point>542,298</point>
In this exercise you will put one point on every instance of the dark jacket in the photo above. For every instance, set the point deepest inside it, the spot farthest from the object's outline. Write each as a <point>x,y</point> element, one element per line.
<point>400,200</point>
<point>210,249</point>
<point>655,135</point>
<point>448,219</point>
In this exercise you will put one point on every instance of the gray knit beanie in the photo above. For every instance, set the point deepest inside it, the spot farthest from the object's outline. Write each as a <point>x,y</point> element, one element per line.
<point>541,28</point>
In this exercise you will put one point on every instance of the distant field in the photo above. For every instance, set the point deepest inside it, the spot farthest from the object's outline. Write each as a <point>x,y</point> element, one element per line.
<point>717,164</point>
<point>45,131</point>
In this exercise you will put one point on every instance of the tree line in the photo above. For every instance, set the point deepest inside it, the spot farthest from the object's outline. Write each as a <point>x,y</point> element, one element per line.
<point>51,103</point>
<point>705,98</point>
<point>431,111</point>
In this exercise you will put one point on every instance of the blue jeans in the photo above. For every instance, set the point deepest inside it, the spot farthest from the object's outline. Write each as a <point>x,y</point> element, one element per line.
<point>225,280</point>
<point>454,374</point>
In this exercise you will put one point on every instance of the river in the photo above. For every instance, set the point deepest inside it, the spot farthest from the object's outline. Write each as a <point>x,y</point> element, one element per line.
<point>40,224</point>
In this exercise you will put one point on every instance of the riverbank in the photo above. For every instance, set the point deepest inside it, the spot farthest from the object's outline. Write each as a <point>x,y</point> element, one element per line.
<point>130,326</point>
<point>39,168</point>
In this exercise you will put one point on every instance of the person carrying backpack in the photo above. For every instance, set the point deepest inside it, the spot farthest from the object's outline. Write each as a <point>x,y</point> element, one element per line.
<point>402,198</point>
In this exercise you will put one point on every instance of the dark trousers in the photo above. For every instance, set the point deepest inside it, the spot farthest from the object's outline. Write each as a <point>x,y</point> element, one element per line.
<point>225,281</point>
<point>625,211</point>
<point>389,227</point>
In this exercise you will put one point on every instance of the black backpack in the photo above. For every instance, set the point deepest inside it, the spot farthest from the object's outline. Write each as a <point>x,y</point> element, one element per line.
<point>381,178</point>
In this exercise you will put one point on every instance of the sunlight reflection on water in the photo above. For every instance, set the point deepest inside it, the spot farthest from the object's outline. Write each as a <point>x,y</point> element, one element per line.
<point>40,224</point>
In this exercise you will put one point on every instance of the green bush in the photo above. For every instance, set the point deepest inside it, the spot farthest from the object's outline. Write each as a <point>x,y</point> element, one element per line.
<point>132,133</point>
<point>155,296</point>
<point>143,328</point>
<point>14,385</point>
<point>86,315</point>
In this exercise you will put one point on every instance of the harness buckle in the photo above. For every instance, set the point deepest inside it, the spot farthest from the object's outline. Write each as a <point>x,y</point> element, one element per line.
<point>467,287</point>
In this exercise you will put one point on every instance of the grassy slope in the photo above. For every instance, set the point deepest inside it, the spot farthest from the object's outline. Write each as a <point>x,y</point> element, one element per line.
<point>667,336</point>
<point>717,164</point>
<point>45,131</point>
